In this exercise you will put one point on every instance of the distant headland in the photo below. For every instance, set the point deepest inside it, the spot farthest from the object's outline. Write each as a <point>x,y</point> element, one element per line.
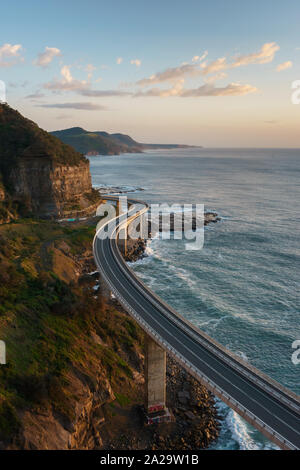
<point>103,143</point>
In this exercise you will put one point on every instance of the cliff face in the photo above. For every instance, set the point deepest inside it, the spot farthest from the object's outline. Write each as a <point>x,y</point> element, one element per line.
<point>102,143</point>
<point>69,352</point>
<point>49,189</point>
<point>74,377</point>
<point>39,172</point>
<point>2,192</point>
<point>48,430</point>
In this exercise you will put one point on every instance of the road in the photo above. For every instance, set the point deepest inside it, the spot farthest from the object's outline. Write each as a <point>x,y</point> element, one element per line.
<point>272,409</point>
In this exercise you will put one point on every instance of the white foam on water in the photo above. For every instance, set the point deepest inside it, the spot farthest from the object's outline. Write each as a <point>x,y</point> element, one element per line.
<point>237,433</point>
<point>242,355</point>
<point>213,322</point>
<point>242,434</point>
<point>148,250</point>
<point>148,254</point>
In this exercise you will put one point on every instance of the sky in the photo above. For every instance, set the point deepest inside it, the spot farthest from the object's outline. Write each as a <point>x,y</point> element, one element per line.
<point>217,73</point>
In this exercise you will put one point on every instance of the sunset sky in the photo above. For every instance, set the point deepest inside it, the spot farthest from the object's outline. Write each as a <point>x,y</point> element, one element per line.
<point>216,73</point>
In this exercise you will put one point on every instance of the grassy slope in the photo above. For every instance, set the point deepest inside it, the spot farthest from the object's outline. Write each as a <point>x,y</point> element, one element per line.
<point>84,142</point>
<point>47,323</point>
<point>21,138</point>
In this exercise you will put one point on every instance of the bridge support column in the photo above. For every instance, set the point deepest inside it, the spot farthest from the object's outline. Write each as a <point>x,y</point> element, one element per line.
<point>104,290</point>
<point>122,241</point>
<point>155,383</point>
<point>123,234</point>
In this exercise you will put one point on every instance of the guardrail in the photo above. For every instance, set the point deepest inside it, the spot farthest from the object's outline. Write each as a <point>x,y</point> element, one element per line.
<point>235,362</point>
<point>245,369</point>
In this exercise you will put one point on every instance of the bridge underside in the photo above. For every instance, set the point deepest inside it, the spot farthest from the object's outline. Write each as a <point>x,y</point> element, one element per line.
<point>266,405</point>
<point>155,383</point>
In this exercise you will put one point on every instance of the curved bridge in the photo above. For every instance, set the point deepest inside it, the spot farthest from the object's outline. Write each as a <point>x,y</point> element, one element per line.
<point>271,408</point>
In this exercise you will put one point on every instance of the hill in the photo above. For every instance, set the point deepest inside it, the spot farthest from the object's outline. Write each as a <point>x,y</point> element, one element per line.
<point>98,143</point>
<point>39,174</point>
<point>103,143</point>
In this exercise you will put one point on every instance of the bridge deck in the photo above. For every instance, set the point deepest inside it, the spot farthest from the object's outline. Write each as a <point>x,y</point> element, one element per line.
<point>270,408</point>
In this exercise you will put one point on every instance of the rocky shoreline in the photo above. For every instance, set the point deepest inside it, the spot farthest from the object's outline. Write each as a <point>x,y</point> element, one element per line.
<point>136,248</point>
<point>98,401</point>
<point>196,423</point>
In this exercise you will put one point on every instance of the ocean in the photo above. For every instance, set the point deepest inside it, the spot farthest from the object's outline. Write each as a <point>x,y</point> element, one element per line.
<point>242,288</point>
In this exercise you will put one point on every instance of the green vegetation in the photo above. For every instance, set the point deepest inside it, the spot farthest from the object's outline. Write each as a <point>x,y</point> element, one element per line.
<point>48,324</point>
<point>122,399</point>
<point>100,143</point>
<point>22,138</point>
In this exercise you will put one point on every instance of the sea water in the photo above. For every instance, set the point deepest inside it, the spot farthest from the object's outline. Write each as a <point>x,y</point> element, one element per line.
<point>242,288</point>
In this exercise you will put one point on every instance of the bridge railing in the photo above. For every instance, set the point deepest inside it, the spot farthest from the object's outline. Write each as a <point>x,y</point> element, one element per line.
<point>212,386</point>
<point>216,348</point>
<point>205,340</point>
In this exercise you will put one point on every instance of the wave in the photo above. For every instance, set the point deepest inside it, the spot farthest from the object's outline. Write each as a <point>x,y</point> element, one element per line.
<point>116,190</point>
<point>148,255</point>
<point>236,433</point>
<point>213,321</point>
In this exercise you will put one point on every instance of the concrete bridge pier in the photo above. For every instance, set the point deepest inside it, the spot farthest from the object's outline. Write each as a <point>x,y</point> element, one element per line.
<point>122,240</point>
<point>104,291</point>
<point>155,383</point>
<point>123,234</point>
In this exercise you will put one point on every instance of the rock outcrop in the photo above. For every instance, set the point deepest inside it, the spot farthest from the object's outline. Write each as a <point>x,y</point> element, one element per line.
<point>40,173</point>
<point>49,189</point>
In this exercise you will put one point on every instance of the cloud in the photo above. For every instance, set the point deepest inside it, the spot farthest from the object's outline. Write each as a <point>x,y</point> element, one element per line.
<point>45,58</point>
<point>90,68</point>
<point>170,74</point>
<point>264,55</point>
<point>174,91</point>
<point>101,93</point>
<point>78,106</point>
<point>271,122</point>
<point>10,52</point>
<point>35,96</point>
<point>233,89</point>
<point>136,62</point>
<point>119,60</point>
<point>284,66</point>
<point>81,87</point>
<point>215,66</point>
<point>67,82</point>
<point>198,58</point>
<point>217,76</point>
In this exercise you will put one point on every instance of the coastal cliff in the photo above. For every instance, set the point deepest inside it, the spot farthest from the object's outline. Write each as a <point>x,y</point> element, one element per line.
<point>75,362</point>
<point>40,174</point>
<point>103,143</point>
<point>74,373</point>
<point>50,189</point>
